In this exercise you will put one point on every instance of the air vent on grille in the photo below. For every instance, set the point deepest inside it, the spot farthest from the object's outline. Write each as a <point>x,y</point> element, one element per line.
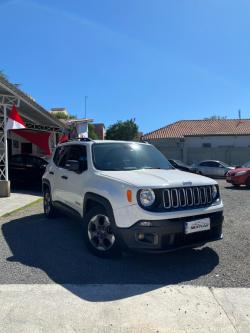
<point>187,197</point>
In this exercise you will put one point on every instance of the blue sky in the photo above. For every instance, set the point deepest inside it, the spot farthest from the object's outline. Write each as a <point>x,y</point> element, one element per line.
<point>158,61</point>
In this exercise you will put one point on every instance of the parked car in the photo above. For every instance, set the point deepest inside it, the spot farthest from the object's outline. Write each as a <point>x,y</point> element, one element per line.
<point>213,168</point>
<point>239,176</point>
<point>128,196</point>
<point>182,166</point>
<point>26,169</point>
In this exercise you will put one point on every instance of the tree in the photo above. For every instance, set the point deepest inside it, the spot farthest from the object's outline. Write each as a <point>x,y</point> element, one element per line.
<point>62,115</point>
<point>216,118</point>
<point>3,75</point>
<point>91,132</point>
<point>123,130</point>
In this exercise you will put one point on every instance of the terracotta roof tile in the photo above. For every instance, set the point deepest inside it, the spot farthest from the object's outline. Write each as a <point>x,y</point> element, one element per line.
<point>201,127</point>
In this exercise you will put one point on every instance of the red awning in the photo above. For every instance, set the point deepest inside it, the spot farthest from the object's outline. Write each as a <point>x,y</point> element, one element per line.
<point>39,138</point>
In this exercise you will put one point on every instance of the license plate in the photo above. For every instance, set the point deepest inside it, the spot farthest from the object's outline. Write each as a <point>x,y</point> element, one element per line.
<point>197,225</point>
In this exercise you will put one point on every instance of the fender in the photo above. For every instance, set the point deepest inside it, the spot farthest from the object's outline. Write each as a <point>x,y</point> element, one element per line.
<point>89,196</point>
<point>96,198</point>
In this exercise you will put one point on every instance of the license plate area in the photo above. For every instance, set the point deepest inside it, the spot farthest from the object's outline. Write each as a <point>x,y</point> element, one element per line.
<point>197,226</point>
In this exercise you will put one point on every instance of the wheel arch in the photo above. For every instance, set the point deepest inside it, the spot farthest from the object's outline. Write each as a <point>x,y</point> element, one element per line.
<point>46,184</point>
<point>92,199</point>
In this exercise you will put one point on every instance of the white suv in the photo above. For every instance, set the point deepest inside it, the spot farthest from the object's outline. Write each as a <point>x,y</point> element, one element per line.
<point>128,196</point>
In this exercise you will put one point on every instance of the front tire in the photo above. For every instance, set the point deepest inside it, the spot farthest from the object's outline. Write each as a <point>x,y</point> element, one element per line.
<point>248,183</point>
<point>99,233</point>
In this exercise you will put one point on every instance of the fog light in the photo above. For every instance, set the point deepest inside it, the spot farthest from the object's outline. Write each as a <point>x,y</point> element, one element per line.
<point>146,224</point>
<point>140,236</point>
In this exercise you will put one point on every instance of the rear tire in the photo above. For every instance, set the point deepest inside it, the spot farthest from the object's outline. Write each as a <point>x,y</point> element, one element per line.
<point>99,233</point>
<point>48,207</point>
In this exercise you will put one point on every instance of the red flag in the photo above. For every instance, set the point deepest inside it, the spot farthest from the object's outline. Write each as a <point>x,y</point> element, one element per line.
<point>63,138</point>
<point>14,120</point>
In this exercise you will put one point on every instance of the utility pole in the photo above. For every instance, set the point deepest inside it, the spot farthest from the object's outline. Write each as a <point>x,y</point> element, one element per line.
<point>239,114</point>
<point>85,106</point>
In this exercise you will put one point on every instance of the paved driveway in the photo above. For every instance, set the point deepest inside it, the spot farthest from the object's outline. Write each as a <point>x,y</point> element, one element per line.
<point>36,250</point>
<point>50,283</point>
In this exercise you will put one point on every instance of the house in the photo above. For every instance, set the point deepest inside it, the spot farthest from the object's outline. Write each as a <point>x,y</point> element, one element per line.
<point>227,140</point>
<point>63,111</point>
<point>99,129</point>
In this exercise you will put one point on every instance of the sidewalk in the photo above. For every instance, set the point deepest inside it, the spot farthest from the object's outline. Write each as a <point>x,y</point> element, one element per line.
<point>16,201</point>
<point>123,309</point>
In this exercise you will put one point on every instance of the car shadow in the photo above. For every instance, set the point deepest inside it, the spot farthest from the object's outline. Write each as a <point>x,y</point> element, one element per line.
<point>34,189</point>
<point>240,188</point>
<point>56,247</point>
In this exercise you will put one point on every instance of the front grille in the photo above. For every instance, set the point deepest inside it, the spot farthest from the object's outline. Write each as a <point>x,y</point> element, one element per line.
<point>184,197</point>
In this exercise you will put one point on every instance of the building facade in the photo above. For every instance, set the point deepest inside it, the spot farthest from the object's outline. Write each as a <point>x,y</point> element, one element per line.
<point>191,141</point>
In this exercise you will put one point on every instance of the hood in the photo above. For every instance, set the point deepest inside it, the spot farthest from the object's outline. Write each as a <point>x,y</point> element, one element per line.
<point>157,178</point>
<point>239,169</point>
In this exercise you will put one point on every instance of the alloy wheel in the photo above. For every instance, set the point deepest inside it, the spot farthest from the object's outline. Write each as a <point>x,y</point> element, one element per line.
<point>100,233</point>
<point>47,203</point>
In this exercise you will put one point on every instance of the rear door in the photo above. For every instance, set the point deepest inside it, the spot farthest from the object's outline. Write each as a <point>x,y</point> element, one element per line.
<point>56,172</point>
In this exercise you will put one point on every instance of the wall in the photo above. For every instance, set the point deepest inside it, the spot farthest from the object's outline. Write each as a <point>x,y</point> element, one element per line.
<point>171,148</point>
<point>218,141</point>
<point>233,150</point>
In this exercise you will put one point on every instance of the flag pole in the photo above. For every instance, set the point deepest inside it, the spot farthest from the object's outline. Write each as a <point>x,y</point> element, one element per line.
<point>6,143</point>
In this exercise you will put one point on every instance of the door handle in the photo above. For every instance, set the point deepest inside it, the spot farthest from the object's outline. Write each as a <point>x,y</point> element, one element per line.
<point>64,177</point>
<point>51,173</point>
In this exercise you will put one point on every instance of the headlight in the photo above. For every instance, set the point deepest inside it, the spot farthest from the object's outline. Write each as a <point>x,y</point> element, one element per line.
<point>215,192</point>
<point>240,173</point>
<point>147,197</point>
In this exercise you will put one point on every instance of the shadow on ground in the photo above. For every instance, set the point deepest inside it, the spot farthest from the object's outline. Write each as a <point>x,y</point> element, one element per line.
<point>56,247</point>
<point>239,188</point>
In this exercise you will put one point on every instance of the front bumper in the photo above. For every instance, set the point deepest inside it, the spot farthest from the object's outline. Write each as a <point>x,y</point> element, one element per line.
<point>168,235</point>
<point>236,180</point>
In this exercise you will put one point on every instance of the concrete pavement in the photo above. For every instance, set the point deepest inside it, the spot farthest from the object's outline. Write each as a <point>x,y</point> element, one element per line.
<point>172,309</point>
<point>16,201</point>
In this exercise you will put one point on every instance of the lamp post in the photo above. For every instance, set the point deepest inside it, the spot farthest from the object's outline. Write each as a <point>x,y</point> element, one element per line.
<point>85,106</point>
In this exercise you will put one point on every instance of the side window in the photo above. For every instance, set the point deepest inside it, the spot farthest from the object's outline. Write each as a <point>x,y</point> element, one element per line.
<point>78,153</point>
<point>60,151</point>
<point>34,161</point>
<point>18,159</point>
<point>63,157</point>
<point>204,164</point>
<point>214,164</point>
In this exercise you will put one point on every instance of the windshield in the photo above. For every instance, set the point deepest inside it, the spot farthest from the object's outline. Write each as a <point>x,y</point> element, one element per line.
<point>180,163</point>
<point>128,156</point>
<point>225,165</point>
<point>246,165</point>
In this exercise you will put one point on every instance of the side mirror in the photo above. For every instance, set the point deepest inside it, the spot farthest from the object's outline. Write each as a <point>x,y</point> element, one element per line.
<point>72,165</point>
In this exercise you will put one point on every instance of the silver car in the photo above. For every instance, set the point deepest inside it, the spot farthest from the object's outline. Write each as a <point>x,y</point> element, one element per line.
<point>213,168</point>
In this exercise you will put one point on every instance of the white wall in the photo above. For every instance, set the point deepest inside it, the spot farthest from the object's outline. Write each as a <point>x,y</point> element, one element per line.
<point>218,141</point>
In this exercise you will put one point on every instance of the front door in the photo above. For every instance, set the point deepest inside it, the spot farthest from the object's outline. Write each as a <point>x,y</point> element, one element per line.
<point>74,181</point>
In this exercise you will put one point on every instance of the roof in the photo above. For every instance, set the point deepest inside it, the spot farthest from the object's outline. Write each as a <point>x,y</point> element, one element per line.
<point>183,128</point>
<point>90,142</point>
<point>29,108</point>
